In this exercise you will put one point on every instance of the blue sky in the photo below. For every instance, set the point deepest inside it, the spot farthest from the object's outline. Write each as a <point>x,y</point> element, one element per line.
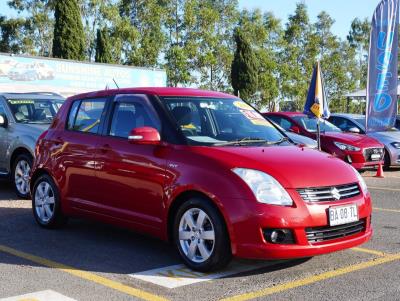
<point>343,11</point>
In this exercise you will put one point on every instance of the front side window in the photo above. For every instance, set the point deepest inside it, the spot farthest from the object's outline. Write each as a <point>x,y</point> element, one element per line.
<point>87,118</point>
<point>310,124</point>
<point>130,114</point>
<point>219,122</point>
<point>34,110</point>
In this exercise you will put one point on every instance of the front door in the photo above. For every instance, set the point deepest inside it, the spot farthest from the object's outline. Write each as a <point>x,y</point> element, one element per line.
<point>131,176</point>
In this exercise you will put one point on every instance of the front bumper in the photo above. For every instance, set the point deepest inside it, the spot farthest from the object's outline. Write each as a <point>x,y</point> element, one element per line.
<point>250,241</point>
<point>360,159</point>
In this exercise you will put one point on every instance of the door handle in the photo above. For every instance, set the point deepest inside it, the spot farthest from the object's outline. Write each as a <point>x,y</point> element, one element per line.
<point>105,148</point>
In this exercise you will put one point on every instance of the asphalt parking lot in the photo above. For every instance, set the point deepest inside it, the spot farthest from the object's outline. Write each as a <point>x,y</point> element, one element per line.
<point>91,261</point>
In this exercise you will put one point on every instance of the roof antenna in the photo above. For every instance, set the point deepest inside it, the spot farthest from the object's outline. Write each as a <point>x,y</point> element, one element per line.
<point>115,83</point>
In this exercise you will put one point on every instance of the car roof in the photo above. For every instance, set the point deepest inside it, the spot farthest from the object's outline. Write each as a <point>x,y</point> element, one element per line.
<point>352,116</point>
<point>33,95</point>
<point>158,91</point>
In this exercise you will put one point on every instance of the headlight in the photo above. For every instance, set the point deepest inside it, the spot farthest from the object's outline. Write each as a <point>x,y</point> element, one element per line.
<point>343,147</point>
<point>266,189</point>
<point>396,145</point>
<point>361,181</point>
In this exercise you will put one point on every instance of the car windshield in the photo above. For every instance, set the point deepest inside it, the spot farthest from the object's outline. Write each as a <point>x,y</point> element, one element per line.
<point>310,124</point>
<point>34,110</point>
<point>362,122</point>
<point>221,122</point>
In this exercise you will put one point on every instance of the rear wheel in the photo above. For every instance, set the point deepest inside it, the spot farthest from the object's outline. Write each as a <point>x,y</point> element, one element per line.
<point>46,203</point>
<point>20,175</point>
<point>201,237</point>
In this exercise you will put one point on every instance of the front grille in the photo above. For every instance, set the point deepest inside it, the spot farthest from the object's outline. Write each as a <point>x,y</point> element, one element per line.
<point>328,194</point>
<point>319,234</point>
<point>373,151</point>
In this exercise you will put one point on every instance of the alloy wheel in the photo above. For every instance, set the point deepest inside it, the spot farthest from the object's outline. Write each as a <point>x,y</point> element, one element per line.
<point>44,202</point>
<point>196,235</point>
<point>21,177</point>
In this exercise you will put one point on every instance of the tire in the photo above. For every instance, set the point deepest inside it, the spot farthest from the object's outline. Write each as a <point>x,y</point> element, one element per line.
<point>386,162</point>
<point>46,204</point>
<point>20,175</point>
<point>217,252</point>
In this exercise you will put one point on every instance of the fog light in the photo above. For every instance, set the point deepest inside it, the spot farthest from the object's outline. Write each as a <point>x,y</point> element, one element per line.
<point>278,236</point>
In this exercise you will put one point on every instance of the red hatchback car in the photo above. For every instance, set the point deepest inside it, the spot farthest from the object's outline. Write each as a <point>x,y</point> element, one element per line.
<point>358,150</point>
<point>201,169</point>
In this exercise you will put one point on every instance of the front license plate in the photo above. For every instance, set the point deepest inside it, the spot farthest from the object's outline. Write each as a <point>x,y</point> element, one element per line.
<point>343,215</point>
<point>375,157</point>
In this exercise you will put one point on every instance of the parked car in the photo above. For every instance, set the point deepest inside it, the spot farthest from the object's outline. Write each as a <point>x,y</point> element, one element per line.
<point>296,138</point>
<point>358,150</point>
<point>202,169</point>
<point>23,117</point>
<point>356,124</point>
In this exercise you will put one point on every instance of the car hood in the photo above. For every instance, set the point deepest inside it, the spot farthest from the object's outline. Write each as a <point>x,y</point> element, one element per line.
<point>32,130</point>
<point>352,139</point>
<point>386,137</point>
<point>292,166</point>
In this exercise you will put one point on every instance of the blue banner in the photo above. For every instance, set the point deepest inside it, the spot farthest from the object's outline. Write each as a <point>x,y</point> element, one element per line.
<point>316,104</point>
<point>382,67</point>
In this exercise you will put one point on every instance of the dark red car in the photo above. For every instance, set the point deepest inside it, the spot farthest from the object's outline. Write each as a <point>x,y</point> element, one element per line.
<point>358,150</point>
<point>201,169</point>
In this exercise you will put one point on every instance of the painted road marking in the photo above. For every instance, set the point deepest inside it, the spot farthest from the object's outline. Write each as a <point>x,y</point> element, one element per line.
<point>384,188</point>
<point>315,278</point>
<point>47,295</point>
<point>369,251</point>
<point>84,275</point>
<point>179,275</point>
<point>387,210</point>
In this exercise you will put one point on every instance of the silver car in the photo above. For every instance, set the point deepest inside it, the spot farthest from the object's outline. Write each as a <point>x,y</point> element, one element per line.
<point>356,124</point>
<point>23,118</point>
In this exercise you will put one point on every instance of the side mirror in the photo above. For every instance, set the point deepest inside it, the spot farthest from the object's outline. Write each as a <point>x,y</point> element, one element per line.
<point>3,121</point>
<point>354,130</point>
<point>294,129</point>
<point>144,135</point>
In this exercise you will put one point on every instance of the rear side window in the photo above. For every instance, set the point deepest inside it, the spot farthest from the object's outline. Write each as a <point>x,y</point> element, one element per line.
<point>284,123</point>
<point>85,115</point>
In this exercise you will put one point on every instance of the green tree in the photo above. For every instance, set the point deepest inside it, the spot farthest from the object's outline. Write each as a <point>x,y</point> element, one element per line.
<point>103,47</point>
<point>39,16</point>
<point>69,38</point>
<point>244,75</point>
<point>13,36</point>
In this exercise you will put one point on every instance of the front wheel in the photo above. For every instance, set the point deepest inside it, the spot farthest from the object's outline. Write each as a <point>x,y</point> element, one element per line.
<point>20,175</point>
<point>46,204</point>
<point>201,237</point>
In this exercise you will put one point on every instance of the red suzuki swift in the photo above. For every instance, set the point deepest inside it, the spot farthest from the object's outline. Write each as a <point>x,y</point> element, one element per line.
<point>202,169</point>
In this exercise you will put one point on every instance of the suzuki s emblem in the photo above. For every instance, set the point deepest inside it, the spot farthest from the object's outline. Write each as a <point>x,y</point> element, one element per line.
<point>335,194</point>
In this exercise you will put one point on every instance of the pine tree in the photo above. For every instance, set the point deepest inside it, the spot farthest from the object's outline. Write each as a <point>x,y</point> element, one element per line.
<point>103,47</point>
<point>244,68</point>
<point>69,38</point>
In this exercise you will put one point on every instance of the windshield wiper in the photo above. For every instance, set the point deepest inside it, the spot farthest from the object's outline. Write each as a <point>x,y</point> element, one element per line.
<point>284,139</point>
<point>247,140</point>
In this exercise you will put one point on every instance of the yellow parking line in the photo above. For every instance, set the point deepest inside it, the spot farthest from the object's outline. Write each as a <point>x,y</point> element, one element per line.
<point>315,278</point>
<point>369,251</point>
<point>384,209</point>
<point>383,188</point>
<point>84,275</point>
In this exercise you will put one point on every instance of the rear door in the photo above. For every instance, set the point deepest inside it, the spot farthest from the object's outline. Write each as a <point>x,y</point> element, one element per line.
<point>131,176</point>
<point>78,144</point>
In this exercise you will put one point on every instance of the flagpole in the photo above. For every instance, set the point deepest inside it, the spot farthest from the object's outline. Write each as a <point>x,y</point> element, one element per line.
<point>318,134</point>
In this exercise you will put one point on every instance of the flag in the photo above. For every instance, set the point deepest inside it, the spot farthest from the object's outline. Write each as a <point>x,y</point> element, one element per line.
<point>382,67</point>
<point>316,104</point>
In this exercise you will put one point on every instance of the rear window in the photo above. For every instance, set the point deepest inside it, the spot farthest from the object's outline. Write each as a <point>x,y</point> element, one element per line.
<point>85,115</point>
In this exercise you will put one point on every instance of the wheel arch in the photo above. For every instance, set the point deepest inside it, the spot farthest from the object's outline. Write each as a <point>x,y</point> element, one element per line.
<point>19,151</point>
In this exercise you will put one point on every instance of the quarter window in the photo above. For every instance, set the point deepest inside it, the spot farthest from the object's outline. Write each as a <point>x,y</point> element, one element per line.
<point>87,118</point>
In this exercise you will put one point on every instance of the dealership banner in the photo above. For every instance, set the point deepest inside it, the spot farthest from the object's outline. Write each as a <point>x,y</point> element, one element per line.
<point>29,74</point>
<point>382,67</point>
